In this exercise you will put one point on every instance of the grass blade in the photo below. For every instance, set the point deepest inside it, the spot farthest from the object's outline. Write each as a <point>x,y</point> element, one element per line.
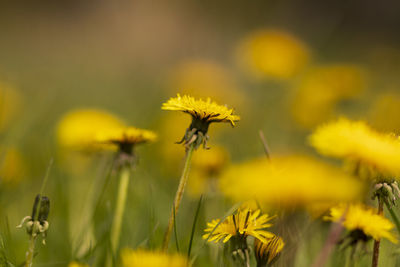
<point>194,225</point>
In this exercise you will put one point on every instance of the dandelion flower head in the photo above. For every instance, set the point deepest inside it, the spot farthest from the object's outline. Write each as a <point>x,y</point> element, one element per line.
<point>143,258</point>
<point>268,251</point>
<point>245,222</point>
<point>77,264</point>
<point>286,182</point>
<point>272,54</point>
<point>127,136</point>
<point>356,141</point>
<point>366,219</point>
<point>77,130</point>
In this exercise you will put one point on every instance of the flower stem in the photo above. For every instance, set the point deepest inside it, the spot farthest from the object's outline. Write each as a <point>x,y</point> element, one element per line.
<point>119,211</point>
<point>178,196</point>
<point>377,243</point>
<point>30,252</point>
<point>393,214</point>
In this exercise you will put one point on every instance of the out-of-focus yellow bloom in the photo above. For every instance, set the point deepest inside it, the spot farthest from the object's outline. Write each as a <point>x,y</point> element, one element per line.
<point>143,258</point>
<point>294,181</point>
<point>206,111</point>
<point>321,88</point>
<point>206,166</point>
<point>203,113</point>
<point>125,136</point>
<point>385,113</point>
<point>272,54</point>
<point>10,104</point>
<point>202,78</point>
<point>268,251</point>
<point>77,264</point>
<point>12,167</point>
<point>77,130</point>
<point>366,219</point>
<point>356,141</point>
<point>244,222</point>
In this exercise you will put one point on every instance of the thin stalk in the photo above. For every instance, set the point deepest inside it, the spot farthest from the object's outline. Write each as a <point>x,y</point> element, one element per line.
<point>30,252</point>
<point>119,213</point>
<point>178,196</point>
<point>393,214</point>
<point>375,257</point>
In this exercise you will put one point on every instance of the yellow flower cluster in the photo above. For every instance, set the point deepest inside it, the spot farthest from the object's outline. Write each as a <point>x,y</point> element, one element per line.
<point>272,54</point>
<point>207,111</point>
<point>356,141</point>
<point>77,264</point>
<point>289,182</point>
<point>244,223</point>
<point>366,219</point>
<point>143,258</point>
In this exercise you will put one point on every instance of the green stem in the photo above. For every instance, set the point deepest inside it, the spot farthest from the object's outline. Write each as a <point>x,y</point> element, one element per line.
<point>30,252</point>
<point>393,214</point>
<point>178,196</point>
<point>119,212</point>
<point>375,257</point>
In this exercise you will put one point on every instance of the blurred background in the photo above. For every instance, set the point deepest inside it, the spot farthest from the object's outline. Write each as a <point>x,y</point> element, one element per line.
<point>284,66</point>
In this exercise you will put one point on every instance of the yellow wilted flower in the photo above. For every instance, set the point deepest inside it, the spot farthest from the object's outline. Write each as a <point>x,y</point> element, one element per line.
<point>245,222</point>
<point>321,88</point>
<point>201,78</point>
<point>10,104</point>
<point>363,218</point>
<point>268,251</point>
<point>78,129</point>
<point>289,182</point>
<point>356,141</point>
<point>77,264</point>
<point>143,258</point>
<point>203,113</point>
<point>272,54</point>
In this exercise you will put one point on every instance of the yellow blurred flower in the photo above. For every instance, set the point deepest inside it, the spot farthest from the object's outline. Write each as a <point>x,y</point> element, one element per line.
<point>10,104</point>
<point>77,264</point>
<point>125,137</point>
<point>321,88</point>
<point>77,130</point>
<point>12,167</point>
<point>245,222</point>
<point>366,219</point>
<point>143,258</point>
<point>206,167</point>
<point>268,251</point>
<point>385,112</point>
<point>356,141</point>
<point>203,113</point>
<point>202,78</point>
<point>294,181</point>
<point>273,54</point>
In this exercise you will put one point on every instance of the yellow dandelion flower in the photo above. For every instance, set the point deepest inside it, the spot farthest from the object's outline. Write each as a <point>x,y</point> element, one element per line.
<point>77,130</point>
<point>243,223</point>
<point>126,136</point>
<point>366,219</point>
<point>143,258</point>
<point>272,54</point>
<point>320,90</point>
<point>285,182</point>
<point>77,264</point>
<point>356,141</point>
<point>203,113</point>
<point>268,251</point>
